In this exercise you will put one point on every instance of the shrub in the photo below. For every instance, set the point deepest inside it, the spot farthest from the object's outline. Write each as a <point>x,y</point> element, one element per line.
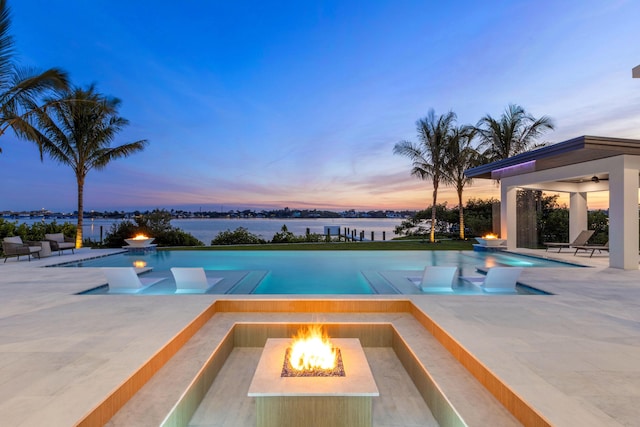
<point>240,236</point>
<point>156,224</point>
<point>283,236</point>
<point>286,236</point>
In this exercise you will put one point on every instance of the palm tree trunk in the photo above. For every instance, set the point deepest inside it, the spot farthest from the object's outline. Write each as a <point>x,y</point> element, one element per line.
<point>80,212</point>
<point>461,214</point>
<point>432,236</point>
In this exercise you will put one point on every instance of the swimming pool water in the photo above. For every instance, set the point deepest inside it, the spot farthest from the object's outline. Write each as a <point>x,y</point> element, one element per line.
<point>317,272</point>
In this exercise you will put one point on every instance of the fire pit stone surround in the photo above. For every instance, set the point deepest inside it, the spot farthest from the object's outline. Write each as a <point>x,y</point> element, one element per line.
<point>290,401</point>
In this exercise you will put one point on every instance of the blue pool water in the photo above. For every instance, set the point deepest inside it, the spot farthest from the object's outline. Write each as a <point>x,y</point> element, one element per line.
<point>312,272</point>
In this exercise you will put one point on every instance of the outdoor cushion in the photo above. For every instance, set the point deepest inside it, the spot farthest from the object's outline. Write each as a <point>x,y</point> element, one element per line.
<point>58,237</point>
<point>13,239</point>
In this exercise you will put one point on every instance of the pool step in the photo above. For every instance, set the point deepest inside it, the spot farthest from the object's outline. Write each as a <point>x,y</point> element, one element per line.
<point>248,283</point>
<point>378,283</point>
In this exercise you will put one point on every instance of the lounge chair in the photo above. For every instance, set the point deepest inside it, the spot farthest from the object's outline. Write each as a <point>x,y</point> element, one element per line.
<point>14,246</point>
<point>60,243</point>
<point>592,248</point>
<point>437,279</point>
<point>125,280</point>
<point>581,240</point>
<point>497,279</point>
<point>192,280</point>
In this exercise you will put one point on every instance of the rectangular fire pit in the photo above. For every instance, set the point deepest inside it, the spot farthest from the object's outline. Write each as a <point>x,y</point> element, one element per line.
<point>316,400</point>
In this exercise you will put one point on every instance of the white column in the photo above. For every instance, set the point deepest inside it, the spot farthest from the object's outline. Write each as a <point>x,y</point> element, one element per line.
<point>508,224</point>
<point>577,214</point>
<point>623,216</point>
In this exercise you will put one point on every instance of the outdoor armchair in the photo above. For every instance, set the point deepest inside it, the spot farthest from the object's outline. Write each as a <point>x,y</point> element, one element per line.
<point>60,243</point>
<point>14,246</point>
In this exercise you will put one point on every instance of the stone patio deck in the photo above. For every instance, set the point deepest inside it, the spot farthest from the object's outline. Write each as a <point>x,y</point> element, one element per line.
<point>573,356</point>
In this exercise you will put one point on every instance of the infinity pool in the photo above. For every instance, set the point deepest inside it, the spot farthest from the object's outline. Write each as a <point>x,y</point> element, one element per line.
<point>313,272</point>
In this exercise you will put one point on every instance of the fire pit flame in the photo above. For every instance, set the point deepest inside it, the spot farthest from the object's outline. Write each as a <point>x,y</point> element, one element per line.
<point>490,236</point>
<point>311,349</point>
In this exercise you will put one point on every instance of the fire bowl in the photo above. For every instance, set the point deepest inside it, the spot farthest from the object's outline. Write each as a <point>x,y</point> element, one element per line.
<point>139,243</point>
<point>490,242</point>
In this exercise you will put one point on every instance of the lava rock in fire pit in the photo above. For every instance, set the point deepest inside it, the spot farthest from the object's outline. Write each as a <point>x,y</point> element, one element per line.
<point>289,371</point>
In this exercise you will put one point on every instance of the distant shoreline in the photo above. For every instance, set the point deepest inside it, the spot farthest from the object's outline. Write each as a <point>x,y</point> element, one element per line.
<point>181,214</point>
<point>205,229</point>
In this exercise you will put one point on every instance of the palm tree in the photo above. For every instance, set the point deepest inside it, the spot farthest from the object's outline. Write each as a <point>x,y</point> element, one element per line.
<point>461,155</point>
<point>77,129</point>
<point>515,132</point>
<point>429,155</point>
<point>20,87</point>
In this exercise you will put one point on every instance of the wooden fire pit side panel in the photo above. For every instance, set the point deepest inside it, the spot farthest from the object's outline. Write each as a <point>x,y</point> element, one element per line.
<point>318,411</point>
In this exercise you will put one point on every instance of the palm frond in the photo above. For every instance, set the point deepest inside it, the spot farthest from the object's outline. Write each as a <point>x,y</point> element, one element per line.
<point>6,45</point>
<point>513,133</point>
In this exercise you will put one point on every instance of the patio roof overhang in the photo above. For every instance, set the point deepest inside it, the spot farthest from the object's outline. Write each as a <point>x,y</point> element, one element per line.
<point>577,166</point>
<point>573,151</point>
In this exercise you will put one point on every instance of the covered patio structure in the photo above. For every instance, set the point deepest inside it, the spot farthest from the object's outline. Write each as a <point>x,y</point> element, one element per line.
<point>577,166</point>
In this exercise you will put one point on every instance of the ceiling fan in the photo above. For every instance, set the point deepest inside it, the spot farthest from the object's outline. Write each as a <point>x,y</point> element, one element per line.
<point>595,179</point>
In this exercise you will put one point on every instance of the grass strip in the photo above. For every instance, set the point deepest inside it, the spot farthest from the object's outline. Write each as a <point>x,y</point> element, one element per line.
<point>391,245</point>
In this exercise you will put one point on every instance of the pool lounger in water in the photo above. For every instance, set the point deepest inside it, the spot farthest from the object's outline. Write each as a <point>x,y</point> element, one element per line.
<point>125,280</point>
<point>192,280</point>
<point>498,279</point>
<point>437,279</point>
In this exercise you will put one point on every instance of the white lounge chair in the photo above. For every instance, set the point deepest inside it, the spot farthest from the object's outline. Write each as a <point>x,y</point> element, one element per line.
<point>125,280</point>
<point>497,279</point>
<point>192,280</point>
<point>437,279</point>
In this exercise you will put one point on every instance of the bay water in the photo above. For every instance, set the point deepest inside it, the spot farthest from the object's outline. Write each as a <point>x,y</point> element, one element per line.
<point>207,229</point>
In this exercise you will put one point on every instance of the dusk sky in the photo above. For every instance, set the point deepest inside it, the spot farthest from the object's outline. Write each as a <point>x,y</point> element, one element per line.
<point>261,104</point>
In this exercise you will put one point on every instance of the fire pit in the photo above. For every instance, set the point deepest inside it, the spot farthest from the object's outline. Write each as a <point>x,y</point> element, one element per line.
<point>490,240</point>
<point>140,244</point>
<point>312,354</point>
<point>340,391</point>
<point>140,241</point>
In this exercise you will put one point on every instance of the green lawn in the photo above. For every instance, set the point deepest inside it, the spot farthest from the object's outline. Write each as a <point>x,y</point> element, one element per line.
<point>394,245</point>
